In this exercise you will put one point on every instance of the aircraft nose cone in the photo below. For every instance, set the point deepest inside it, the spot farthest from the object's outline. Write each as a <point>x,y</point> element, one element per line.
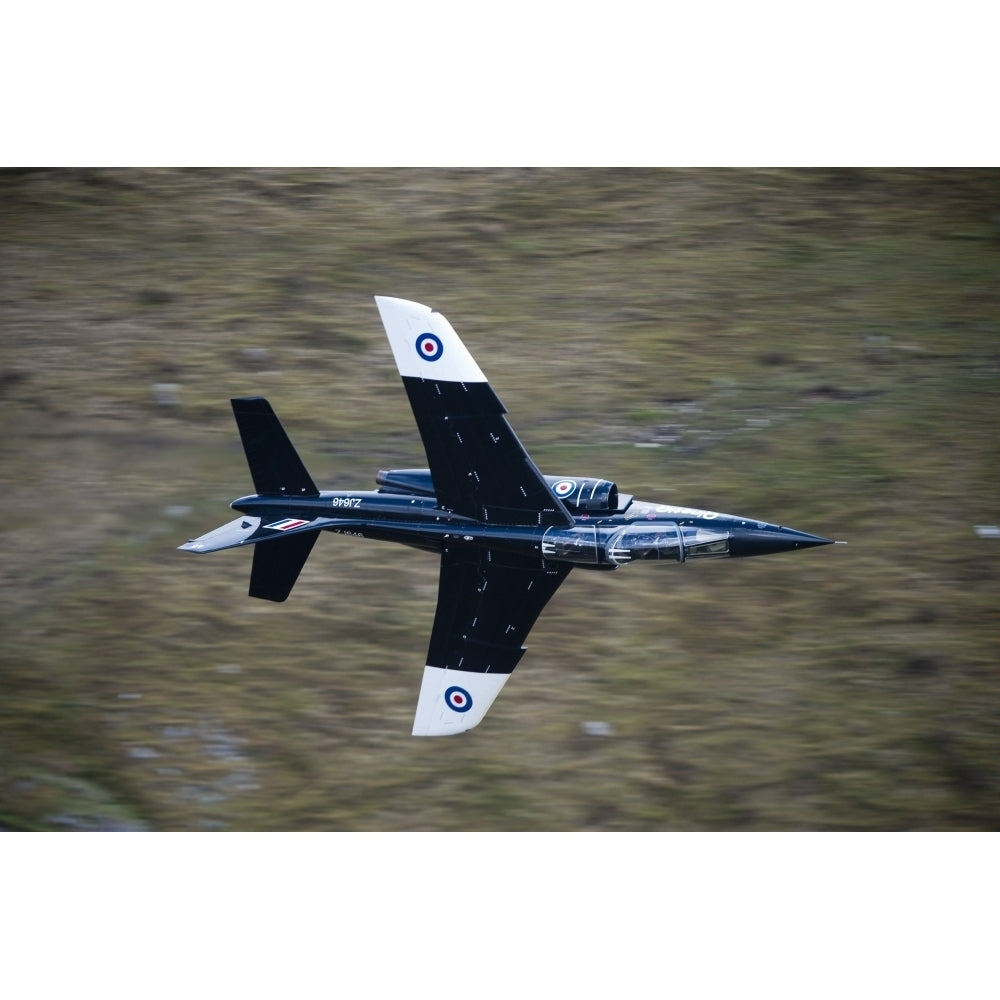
<point>770,538</point>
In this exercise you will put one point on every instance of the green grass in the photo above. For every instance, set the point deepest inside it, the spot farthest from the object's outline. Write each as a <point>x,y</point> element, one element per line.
<point>810,347</point>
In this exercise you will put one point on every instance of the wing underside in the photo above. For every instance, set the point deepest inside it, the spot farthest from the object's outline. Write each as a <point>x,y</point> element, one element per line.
<point>487,603</point>
<point>487,600</point>
<point>479,467</point>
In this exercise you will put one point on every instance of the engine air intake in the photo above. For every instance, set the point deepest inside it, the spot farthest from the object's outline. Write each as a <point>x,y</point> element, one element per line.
<point>586,494</point>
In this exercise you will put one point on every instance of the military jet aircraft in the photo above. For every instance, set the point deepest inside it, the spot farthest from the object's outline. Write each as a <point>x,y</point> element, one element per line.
<point>507,536</point>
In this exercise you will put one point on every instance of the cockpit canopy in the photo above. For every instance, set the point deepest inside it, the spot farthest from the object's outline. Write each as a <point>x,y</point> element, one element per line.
<point>604,545</point>
<point>666,540</point>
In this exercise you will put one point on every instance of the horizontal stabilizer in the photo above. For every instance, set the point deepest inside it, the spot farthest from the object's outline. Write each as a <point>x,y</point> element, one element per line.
<point>247,530</point>
<point>235,533</point>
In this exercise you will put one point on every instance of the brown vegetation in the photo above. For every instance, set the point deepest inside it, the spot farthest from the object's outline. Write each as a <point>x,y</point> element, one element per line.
<point>815,348</point>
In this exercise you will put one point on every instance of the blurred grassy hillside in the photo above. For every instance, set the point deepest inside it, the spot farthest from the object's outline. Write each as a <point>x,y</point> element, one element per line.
<point>814,348</point>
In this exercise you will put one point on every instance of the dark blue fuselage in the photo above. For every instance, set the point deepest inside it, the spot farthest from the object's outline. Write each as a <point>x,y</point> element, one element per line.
<point>635,531</point>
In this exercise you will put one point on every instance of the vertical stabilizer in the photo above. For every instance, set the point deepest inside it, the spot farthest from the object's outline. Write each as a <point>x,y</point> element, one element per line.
<point>277,564</point>
<point>275,466</point>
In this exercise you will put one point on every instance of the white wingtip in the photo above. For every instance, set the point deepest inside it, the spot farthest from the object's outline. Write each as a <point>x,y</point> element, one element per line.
<point>453,701</point>
<point>424,343</point>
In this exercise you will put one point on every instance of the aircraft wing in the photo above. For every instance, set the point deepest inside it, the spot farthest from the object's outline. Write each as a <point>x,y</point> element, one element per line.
<point>479,467</point>
<point>487,603</point>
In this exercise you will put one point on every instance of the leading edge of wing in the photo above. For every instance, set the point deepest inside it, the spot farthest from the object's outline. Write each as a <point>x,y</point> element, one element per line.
<point>487,605</point>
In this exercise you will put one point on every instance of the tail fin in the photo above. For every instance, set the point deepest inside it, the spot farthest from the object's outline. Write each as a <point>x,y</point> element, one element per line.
<point>274,464</point>
<point>276,566</point>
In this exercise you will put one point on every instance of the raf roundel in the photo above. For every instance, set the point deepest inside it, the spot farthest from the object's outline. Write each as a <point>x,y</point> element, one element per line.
<point>429,347</point>
<point>564,488</point>
<point>458,699</point>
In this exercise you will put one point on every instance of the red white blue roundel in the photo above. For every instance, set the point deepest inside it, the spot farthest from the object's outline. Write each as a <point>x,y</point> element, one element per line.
<point>429,347</point>
<point>564,488</point>
<point>458,699</point>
